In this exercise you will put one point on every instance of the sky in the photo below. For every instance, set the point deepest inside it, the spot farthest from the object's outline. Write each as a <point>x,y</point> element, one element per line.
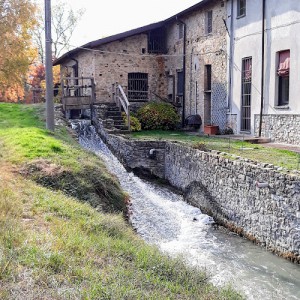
<point>107,17</point>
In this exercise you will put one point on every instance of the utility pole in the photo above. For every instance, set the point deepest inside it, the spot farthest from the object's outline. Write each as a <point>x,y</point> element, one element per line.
<point>49,72</point>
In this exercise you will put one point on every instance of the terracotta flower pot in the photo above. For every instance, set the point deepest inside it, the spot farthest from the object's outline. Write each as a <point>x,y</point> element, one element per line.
<point>211,129</point>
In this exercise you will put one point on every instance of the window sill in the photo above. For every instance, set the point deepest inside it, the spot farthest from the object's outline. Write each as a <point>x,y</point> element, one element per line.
<point>246,132</point>
<point>241,16</point>
<point>282,107</point>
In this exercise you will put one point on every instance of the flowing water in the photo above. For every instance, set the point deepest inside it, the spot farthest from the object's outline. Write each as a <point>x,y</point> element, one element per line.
<point>161,217</point>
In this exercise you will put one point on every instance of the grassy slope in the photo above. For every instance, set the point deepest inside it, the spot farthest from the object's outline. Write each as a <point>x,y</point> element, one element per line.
<point>53,246</point>
<point>278,157</point>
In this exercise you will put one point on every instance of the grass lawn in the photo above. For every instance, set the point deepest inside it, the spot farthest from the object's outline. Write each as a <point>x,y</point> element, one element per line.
<point>278,157</point>
<point>54,244</point>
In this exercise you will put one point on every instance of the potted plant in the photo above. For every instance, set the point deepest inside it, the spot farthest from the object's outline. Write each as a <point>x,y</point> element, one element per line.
<point>211,129</point>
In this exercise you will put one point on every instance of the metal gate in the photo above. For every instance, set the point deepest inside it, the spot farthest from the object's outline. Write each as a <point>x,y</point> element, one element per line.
<point>137,86</point>
<point>246,94</point>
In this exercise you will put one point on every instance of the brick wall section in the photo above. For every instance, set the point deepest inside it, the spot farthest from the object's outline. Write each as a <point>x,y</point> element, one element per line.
<point>280,128</point>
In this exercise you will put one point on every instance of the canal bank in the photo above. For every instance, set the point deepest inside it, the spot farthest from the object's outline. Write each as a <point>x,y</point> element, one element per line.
<point>252,199</point>
<point>162,218</point>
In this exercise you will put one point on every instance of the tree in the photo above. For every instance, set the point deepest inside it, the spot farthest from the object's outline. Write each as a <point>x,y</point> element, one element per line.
<point>37,75</point>
<point>36,83</point>
<point>34,87</point>
<point>17,19</point>
<point>64,21</point>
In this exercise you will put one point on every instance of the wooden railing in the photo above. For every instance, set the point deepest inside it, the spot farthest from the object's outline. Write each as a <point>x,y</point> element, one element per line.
<point>121,99</point>
<point>175,102</point>
<point>78,93</point>
<point>78,87</point>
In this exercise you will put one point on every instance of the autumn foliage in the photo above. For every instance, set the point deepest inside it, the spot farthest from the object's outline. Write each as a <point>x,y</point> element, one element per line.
<point>17,19</point>
<point>22,70</point>
<point>36,82</point>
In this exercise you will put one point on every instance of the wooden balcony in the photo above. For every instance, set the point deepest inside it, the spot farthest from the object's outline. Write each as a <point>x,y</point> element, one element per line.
<point>76,102</point>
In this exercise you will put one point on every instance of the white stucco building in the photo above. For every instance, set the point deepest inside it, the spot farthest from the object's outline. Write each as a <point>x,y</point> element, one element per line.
<point>264,72</point>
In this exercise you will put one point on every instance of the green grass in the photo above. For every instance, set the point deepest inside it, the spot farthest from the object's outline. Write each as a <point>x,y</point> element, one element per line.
<point>53,245</point>
<point>55,159</point>
<point>282,158</point>
<point>22,132</point>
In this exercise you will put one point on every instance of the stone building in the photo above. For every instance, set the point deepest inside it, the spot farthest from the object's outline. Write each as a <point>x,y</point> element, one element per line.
<point>182,60</point>
<point>264,45</point>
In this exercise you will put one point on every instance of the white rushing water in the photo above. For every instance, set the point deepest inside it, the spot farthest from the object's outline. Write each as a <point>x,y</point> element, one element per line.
<point>161,217</point>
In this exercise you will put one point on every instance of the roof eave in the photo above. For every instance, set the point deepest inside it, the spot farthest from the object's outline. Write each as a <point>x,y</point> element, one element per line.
<point>128,33</point>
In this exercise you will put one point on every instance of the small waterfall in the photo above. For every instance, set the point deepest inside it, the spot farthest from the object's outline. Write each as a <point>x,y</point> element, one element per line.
<point>161,217</point>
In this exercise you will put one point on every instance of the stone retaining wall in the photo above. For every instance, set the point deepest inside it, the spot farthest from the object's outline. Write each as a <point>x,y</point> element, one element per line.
<point>135,154</point>
<point>254,200</point>
<point>280,128</point>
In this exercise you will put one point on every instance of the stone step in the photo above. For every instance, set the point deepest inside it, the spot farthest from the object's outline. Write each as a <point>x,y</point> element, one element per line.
<point>111,104</point>
<point>115,118</point>
<point>113,109</point>
<point>121,127</point>
<point>119,123</point>
<point>114,114</point>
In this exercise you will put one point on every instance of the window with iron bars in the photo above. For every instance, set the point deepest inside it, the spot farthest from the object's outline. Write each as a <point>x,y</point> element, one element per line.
<point>138,87</point>
<point>246,94</point>
<point>157,41</point>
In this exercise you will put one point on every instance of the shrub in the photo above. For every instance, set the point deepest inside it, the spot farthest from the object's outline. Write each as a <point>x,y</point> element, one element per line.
<point>200,146</point>
<point>228,130</point>
<point>155,116</point>
<point>135,124</point>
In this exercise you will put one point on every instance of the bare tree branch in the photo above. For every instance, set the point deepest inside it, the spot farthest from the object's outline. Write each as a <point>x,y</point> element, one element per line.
<point>64,22</point>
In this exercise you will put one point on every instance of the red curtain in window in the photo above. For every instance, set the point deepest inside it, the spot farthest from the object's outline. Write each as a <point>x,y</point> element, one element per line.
<point>284,63</point>
<point>247,69</point>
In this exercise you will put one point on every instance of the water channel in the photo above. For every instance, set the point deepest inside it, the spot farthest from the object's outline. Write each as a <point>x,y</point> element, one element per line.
<point>161,217</point>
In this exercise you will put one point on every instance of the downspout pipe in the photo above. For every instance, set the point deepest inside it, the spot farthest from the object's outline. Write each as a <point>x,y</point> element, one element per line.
<point>262,66</point>
<point>184,69</point>
<point>231,53</point>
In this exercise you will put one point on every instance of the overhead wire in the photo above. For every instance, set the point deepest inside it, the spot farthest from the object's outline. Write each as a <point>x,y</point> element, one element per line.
<point>267,29</point>
<point>162,55</point>
<point>194,53</point>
